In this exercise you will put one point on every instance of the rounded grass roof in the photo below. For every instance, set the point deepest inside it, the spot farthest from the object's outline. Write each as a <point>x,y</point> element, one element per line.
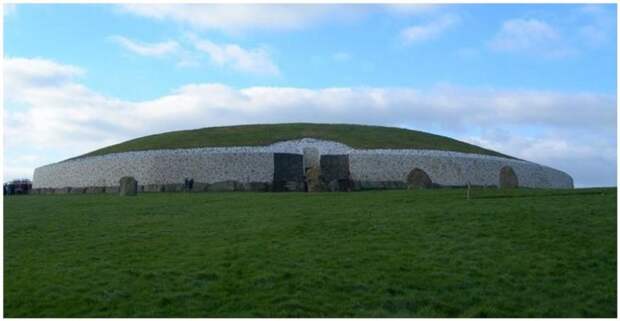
<point>356,136</point>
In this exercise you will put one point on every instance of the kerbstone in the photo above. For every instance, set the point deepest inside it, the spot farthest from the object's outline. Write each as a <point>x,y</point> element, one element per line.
<point>418,178</point>
<point>128,186</point>
<point>225,186</point>
<point>508,178</point>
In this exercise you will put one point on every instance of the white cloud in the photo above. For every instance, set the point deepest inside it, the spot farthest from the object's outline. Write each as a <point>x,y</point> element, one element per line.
<point>231,55</point>
<point>255,60</point>
<point>63,118</point>
<point>21,75</point>
<point>410,9</point>
<point>430,30</point>
<point>158,49</point>
<point>588,156</point>
<point>599,24</point>
<point>235,17</point>
<point>9,9</point>
<point>530,36</point>
<point>341,56</point>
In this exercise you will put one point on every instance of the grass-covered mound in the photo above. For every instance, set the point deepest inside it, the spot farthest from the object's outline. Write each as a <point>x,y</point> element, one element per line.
<point>426,253</point>
<point>356,136</point>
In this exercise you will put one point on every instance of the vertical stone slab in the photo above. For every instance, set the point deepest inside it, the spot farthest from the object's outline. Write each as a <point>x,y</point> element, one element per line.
<point>335,173</point>
<point>312,158</point>
<point>288,172</point>
<point>508,178</point>
<point>128,186</point>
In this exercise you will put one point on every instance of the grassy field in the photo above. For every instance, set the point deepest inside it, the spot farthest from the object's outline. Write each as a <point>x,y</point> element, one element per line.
<point>357,136</point>
<point>426,253</point>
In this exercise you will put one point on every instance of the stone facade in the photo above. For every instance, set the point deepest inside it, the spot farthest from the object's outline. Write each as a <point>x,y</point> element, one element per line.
<point>253,168</point>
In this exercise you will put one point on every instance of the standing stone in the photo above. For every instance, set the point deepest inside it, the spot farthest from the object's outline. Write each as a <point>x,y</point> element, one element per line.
<point>288,172</point>
<point>508,178</point>
<point>418,178</point>
<point>312,157</point>
<point>313,179</point>
<point>128,186</point>
<point>335,172</point>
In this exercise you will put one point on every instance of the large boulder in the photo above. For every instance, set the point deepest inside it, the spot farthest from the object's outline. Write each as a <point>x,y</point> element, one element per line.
<point>174,187</point>
<point>150,188</point>
<point>224,186</point>
<point>288,172</point>
<point>200,187</point>
<point>508,178</point>
<point>62,190</point>
<point>77,190</point>
<point>418,178</point>
<point>257,187</point>
<point>128,186</point>
<point>95,189</point>
<point>335,173</point>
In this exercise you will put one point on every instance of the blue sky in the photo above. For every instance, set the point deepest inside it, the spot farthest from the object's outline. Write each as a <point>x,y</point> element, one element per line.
<point>533,81</point>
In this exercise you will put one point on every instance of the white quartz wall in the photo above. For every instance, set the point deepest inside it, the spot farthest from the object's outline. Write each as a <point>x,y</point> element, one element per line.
<point>451,168</point>
<point>157,167</point>
<point>255,164</point>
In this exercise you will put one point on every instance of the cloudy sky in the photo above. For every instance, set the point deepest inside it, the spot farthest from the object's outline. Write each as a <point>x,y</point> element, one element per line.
<point>534,81</point>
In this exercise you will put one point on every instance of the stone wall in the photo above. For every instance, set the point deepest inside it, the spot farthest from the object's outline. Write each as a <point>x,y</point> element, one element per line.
<point>158,168</point>
<point>451,168</point>
<point>247,165</point>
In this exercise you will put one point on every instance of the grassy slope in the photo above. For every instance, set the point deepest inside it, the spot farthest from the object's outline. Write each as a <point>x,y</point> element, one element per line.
<point>356,136</point>
<point>391,253</point>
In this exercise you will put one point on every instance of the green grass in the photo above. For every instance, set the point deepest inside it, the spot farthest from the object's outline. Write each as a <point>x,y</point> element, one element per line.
<point>427,253</point>
<point>356,136</point>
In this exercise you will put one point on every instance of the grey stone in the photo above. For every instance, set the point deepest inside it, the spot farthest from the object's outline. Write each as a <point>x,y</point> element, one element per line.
<point>258,187</point>
<point>128,186</point>
<point>508,178</point>
<point>151,188</point>
<point>334,167</point>
<point>95,189</point>
<point>63,190</point>
<point>200,187</point>
<point>112,189</point>
<point>288,171</point>
<point>77,190</point>
<point>418,178</point>
<point>173,188</point>
<point>225,186</point>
